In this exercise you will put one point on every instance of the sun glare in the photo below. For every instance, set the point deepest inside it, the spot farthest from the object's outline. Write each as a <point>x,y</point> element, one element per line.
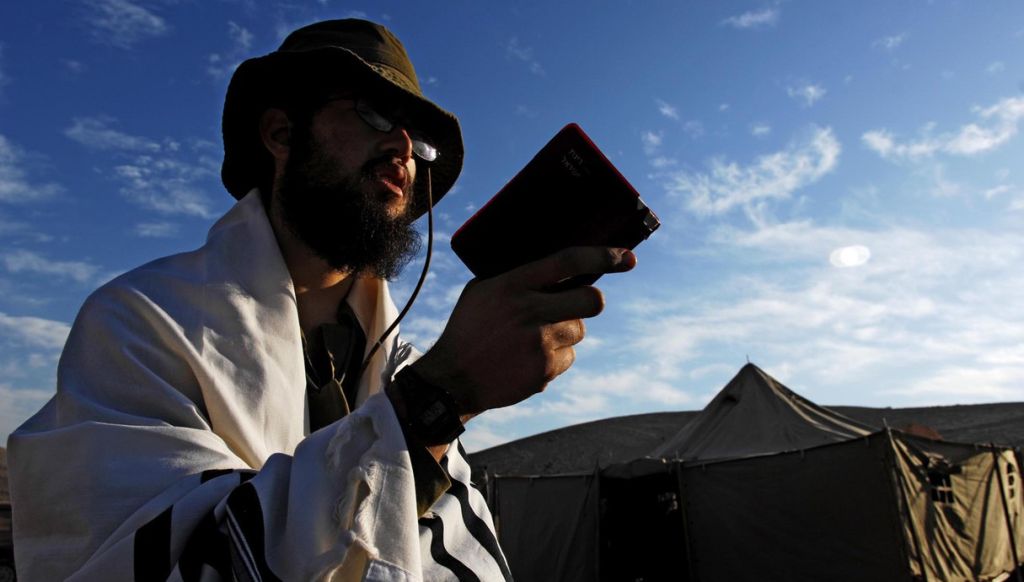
<point>852,256</point>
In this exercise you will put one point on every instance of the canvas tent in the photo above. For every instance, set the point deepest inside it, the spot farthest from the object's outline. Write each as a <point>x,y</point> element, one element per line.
<point>765,485</point>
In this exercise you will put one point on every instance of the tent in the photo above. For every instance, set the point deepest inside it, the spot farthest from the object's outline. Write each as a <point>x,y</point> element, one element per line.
<point>764,484</point>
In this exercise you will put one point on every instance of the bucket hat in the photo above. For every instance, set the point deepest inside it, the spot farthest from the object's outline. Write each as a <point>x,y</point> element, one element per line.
<point>349,53</point>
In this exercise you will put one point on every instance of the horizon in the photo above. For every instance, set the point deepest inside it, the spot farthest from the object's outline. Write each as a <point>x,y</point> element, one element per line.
<point>838,183</point>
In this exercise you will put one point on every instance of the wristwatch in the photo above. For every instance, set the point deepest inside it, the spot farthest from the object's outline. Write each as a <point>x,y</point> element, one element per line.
<point>431,413</point>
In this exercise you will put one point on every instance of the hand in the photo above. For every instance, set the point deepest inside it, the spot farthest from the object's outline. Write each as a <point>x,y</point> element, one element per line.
<point>507,337</point>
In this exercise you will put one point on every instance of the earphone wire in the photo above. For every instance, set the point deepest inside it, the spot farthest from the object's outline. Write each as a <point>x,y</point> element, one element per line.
<point>419,284</point>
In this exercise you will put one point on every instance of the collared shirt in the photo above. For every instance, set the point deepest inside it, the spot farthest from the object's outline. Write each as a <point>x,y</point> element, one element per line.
<point>334,357</point>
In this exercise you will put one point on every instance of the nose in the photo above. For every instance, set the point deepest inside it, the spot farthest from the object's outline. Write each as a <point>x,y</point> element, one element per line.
<point>398,143</point>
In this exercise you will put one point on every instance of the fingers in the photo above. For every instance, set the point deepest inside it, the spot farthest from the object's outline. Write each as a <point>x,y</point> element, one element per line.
<point>561,360</point>
<point>564,334</point>
<point>570,263</point>
<point>575,303</point>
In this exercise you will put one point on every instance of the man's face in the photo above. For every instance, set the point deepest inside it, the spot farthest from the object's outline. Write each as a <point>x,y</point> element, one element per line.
<point>346,192</point>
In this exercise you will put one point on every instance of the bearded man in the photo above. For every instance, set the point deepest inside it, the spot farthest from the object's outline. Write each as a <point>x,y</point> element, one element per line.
<point>247,410</point>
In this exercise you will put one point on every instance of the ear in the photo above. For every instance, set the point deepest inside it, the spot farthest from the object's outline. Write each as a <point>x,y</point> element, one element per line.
<point>276,131</point>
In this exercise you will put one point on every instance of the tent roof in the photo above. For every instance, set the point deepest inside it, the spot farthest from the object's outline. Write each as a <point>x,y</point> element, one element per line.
<point>755,414</point>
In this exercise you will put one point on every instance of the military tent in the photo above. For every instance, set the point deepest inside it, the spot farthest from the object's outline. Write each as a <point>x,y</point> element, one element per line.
<point>764,484</point>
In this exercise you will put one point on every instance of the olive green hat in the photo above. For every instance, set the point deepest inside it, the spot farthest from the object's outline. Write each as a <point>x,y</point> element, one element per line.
<point>348,53</point>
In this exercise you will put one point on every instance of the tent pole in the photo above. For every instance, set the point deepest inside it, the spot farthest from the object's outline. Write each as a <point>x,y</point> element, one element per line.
<point>906,503</point>
<point>1006,515</point>
<point>677,468</point>
<point>597,525</point>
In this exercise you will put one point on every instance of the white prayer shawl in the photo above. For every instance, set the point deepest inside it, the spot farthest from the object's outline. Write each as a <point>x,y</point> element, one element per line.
<point>176,446</point>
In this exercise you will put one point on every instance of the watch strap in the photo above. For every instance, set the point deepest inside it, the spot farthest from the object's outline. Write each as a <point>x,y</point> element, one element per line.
<point>431,412</point>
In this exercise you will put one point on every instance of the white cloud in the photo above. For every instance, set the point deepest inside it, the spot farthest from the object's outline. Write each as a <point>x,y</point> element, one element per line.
<point>156,229</point>
<point>33,331</point>
<point>221,66</point>
<point>773,176</point>
<point>166,185</point>
<point>15,185</point>
<point>693,128</point>
<point>122,23</point>
<point>750,20</point>
<point>95,132</point>
<point>74,67</point>
<point>760,129</point>
<point>24,261</point>
<point>997,125</point>
<point>927,302</point>
<point>808,93</point>
<point>652,142</point>
<point>525,54</point>
<point>890,43</point>
<point>667,110</point>
<point>954,384</point>
<point>996,68</point>
<point>158,179</point>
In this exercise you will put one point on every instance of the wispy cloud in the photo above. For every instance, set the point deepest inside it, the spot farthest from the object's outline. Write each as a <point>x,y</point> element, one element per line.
<point>807,93</point>
<point>166,185</point>
<point>995,68</point>
<point>933,301</point>
<point>651,141</point>
<point>33,331</point>
<point>997,124</point>
<point>516,51</point>
<point>754,19</point>
<point>890,43</point>
<point>24,261</point>
<point>97,133</point>
<point>156,229</point>
<point>73,66</point>
<point>122,23</point>
<point>152,174</point>
<point>222,65</point>
<point>15,183</point>
<point>760,129</point>
<point>774,176</point>
<point>667,110</point>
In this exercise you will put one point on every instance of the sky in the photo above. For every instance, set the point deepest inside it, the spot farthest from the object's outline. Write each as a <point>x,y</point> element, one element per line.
<point>839,183</point>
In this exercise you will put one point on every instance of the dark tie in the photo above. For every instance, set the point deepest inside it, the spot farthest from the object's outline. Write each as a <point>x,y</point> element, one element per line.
<point>333,361</point>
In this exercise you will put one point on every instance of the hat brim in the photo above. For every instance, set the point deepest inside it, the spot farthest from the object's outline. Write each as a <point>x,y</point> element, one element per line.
<point>267,81</point>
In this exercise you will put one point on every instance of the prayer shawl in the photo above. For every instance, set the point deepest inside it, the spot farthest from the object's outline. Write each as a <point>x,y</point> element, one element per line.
<point>176,446</point>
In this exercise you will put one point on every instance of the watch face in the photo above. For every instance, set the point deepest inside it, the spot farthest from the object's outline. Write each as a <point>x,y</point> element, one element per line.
<point>432,415</point>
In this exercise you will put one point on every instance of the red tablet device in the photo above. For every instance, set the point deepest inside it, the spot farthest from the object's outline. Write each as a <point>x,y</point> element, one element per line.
<point>568,195</point>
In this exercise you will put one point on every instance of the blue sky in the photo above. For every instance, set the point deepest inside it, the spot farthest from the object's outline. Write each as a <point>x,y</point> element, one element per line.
<point>839,183</point>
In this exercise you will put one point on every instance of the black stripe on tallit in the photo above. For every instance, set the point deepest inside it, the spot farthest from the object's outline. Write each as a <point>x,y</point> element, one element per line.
<point>478,527</point>
<point>206,546</point>
<point>441,555</point>
<point>213,474</point>
<point>152,549</point>
<point>245,522</point>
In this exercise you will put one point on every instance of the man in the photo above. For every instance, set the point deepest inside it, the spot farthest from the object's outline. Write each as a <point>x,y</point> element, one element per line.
<point>227,414</point>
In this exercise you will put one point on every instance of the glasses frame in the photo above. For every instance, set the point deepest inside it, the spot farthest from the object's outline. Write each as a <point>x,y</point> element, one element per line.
<point>421,145</point>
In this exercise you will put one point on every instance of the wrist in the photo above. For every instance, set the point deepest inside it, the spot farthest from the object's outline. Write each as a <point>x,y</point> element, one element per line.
<point>430,415</point>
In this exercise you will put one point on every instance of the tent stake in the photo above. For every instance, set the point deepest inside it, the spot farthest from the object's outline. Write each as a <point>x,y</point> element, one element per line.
<point>1006,514</point>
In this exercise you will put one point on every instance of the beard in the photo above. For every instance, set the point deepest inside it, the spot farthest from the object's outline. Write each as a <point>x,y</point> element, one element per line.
<point>342,218</point>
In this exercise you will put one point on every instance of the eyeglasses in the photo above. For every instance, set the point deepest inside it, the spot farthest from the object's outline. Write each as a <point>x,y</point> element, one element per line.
<point>421,145</point>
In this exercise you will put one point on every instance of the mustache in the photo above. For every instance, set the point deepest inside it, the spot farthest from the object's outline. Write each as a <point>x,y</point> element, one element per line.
<point>390,167</point>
